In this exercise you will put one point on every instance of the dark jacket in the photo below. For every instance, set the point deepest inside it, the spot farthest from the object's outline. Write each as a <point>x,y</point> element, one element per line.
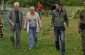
<point>82,19</point>
<point>59,18</point>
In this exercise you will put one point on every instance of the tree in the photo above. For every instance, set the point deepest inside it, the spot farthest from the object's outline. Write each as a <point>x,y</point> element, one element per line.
<point>46,3</point>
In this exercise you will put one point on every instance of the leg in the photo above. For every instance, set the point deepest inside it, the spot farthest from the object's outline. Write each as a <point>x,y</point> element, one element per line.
<point>12,37</point>
<point>62,41</point>
<point>30,38</point>
<point>39,12</point>
<point>56,33</point>
<point>83,40</point>
<point>35,36</point>
<point>18,36</point>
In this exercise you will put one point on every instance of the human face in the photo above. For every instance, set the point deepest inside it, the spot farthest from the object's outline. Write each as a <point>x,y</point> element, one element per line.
<point>58,7</point>
<point>38,2</point>
<point>17,7</point>
<point>32,11</point>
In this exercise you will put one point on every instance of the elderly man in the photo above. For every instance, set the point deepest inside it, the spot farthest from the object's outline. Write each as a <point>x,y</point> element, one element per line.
<point>81,28</point>
<point>16,20</point>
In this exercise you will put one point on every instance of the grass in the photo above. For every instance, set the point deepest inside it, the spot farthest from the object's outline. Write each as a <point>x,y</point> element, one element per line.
<point>46,41</point>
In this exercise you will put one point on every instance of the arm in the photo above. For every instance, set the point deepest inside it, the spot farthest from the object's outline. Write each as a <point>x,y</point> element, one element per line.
<point>79,21</point>
<point>52,20</point>
<point>66,23</point>
<point>79,25</point>
<point>10,18</point>
<point>22,22</point>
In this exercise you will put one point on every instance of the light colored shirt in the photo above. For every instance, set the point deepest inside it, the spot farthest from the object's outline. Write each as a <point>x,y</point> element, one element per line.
<point>32,21</point>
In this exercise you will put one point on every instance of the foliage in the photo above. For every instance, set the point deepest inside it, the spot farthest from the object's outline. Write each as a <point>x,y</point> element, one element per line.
<point>46,3</point>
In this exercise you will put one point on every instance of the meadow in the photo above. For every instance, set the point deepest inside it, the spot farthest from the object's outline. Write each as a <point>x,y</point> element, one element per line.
<point>46,40</point>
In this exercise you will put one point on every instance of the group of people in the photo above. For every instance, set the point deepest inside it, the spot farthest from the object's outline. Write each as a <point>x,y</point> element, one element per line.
<point>32,25</point>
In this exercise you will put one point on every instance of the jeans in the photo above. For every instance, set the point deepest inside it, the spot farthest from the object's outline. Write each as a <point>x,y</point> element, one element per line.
<point>32,37</point>
<point>60,35</point>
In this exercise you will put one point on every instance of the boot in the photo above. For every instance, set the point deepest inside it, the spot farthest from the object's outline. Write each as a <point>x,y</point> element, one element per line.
<point>57,45</point>
<point>13,41</point>
<point>84,53</point>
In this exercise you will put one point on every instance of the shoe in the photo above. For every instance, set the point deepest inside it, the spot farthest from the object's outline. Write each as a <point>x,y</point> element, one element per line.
<point>30,48</point>
<point>57,45</point>
<point>63,53</point>
<point>13,43</point>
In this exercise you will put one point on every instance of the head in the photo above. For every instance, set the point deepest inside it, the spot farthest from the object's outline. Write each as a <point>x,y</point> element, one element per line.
<point>16,5</point>
<point>32,9</point>
<point>59,6</point>
<point>38,2</point>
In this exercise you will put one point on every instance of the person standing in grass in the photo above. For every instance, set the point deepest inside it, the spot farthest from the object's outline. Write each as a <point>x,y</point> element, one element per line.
<point>60,23</point>
<point>15,17</point>
<point>39,8</point>
<point>32,25</point>
<point>81,27</point>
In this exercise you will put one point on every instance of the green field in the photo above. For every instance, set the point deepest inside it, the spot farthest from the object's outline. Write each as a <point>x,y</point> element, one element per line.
<point>46,41</point>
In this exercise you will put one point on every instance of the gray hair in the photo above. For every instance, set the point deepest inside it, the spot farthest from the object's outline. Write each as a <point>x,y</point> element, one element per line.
<point>16,4</point>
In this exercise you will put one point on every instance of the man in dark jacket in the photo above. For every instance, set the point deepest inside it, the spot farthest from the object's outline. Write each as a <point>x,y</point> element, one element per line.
<point>60,23</point>
<point>81,28</point>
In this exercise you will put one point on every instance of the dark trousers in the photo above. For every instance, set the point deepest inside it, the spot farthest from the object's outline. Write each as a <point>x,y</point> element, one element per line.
<point>83,39</point>
<point>18,35</point>
<point>59,35</point>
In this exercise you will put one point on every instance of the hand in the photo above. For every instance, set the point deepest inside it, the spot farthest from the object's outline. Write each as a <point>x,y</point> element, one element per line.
<point>12,24</point>
<point>79,30</point>
<point>24,29</point>
<point>65,27</point>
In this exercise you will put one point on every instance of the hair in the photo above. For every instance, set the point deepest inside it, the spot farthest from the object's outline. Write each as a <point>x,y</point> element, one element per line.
<point>16,3</point>
<point>32,7</point>
<point>59,4</point>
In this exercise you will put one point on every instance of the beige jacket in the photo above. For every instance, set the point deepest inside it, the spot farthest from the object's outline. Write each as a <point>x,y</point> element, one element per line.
<point>38,23</point>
